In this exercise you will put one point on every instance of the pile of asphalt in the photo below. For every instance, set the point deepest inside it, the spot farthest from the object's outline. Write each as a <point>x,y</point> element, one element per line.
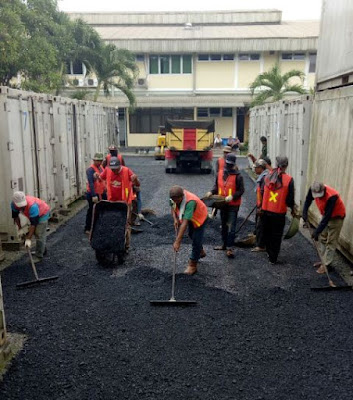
<point>257,332</point>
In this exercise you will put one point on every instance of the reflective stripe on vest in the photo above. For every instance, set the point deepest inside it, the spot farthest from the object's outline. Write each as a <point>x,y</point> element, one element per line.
<point>99,186</point>
<point>200,212</point>
<point>274,200</point>
<point>321,202</point>
<point>228,188</point>
<point>42,205</point>
<point>126,185</point>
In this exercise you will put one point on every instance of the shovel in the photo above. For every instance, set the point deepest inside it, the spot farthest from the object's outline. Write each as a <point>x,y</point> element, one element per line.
<point>38,280</point>
<point>144,219</point>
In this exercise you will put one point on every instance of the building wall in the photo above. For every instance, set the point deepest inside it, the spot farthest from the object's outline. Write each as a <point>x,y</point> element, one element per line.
<point>142,139</point>
<point>247,72</point>
<point>215,74</point>
<point>170,81</point>
<point>287,66</point>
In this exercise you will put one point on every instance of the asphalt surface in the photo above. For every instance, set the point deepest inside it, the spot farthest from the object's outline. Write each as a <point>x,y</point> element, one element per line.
<point>257,332</point>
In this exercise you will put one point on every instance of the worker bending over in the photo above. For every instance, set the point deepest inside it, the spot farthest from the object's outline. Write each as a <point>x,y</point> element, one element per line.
<point>96,189</point>
<point>188,211</point>
<point>38,213</point>
<point>229,184</point>
<point>278,195</point>
<point>333,212</point>
<point>120,181</point>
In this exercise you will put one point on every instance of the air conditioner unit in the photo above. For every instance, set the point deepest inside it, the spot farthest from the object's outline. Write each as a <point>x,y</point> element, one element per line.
<point>92,82</point>
<point>81,82</point>
<point>141,82</point>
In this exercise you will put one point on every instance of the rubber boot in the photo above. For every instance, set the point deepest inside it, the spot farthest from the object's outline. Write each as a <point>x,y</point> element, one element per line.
<point>191,268</point>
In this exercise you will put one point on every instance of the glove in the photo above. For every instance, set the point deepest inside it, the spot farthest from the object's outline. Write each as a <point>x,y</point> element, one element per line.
<point>315,236</point>
<point>208,194</point>
<point>28,243</point>
<point>141,216</point>
<point>95,199</point>
<point>229,198</point>
<point>21,233</point>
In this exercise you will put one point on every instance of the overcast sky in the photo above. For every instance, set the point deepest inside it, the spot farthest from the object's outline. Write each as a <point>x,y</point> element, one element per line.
<point>292,9</point>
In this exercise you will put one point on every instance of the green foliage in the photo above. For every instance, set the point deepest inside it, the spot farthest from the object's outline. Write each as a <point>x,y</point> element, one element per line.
<point>80,94</point>
<point>272,85</point>
<point>37,41</point>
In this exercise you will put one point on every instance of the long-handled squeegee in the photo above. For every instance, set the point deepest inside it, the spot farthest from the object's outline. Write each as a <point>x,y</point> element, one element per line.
<point>37,280</point>
<point>172,301</point>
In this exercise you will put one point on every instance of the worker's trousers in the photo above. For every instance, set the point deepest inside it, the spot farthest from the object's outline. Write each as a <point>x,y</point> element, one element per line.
<point>259,231</point>
<point>229,218</point>
<point>196,235</point>
<point>328,240</point>
<point>273,232</point>
<point>41,238</point>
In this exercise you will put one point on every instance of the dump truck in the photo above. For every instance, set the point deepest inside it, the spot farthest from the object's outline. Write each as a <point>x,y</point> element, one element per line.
<point>161,143</point>
<point>189,145</point>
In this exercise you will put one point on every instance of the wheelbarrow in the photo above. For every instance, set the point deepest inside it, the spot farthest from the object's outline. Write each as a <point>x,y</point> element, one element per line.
<point>108,233</point>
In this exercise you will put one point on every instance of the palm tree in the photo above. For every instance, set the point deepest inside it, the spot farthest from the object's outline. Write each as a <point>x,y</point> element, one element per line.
<point>273,85</point>
<point>115,68</point>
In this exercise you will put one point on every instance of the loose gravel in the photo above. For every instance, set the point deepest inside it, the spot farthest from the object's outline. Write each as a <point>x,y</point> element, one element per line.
<point>258,332</point>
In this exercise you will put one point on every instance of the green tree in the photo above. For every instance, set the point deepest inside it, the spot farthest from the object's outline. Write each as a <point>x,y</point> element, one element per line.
<point>115,68</point>
<point>272,85</point>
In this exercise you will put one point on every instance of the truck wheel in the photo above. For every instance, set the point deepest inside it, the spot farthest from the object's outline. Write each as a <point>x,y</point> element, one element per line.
<point>168,170</point>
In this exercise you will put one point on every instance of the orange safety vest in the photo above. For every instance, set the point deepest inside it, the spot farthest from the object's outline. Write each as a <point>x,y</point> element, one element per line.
<point>274,200</point>
<point>258,196</point>
<point>221,163</point>
<point>43,206</point>
<point>126,185</point>
<point>228,188</point>
<point>119,156</point>
<point>200,212</point>
<point>339,209</point>
<point>99,186</point>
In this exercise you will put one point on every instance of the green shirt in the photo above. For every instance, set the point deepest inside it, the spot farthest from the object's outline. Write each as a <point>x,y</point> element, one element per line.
<point>189,210</point>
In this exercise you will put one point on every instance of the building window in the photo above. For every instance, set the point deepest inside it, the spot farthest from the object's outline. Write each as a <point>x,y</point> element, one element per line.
<point>148,120</point>
<point>203,57</point>
<point>292,56</point>
<point>140,57</point>
<point>77,68</point>
<point>215,57</point>
<point>312,62</point>
<point>227,112</point>
<point>202,113</point>
<point>166,64</point>
<point>214,112</point>
<point>228,57</point>
<point>249,56</point>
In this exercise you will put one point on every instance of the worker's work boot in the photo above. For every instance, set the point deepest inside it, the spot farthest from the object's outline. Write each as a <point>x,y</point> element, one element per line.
<point>191,268</point>
<point>202,253</point>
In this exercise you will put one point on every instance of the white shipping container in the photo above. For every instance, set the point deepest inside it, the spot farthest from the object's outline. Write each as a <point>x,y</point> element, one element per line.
<point>286,125</point>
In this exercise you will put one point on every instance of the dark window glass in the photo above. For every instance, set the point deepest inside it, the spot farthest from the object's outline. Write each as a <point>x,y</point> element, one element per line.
<point>203,57</point>
<point>77,68</point>
<point>140,57</point>
<point>227,112</point>
<point>202,112</point>
<point>298,56</point>
<point>187,64</point>
<point>228,57</point>
<point>176,65</point>
<point>164,61</point>
<point>254,57</point>
<point>153,64</point>
<point>312,65</point>
<point>215,112</point>
<point>243,57</point>
<point>286,56</point>
<point>216,57</point>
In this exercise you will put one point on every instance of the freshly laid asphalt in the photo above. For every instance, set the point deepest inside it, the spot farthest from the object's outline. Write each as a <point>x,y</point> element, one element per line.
<point>257,332</point>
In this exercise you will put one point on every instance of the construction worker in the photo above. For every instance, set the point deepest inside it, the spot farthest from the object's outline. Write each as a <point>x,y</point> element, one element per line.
<point>333,212</point>
<point>95,190</point>
<point>38,213</point>
<point>230,184</point>
<point>120,181</point>
<point>222,160</point>
<point>113,152</point>
<point>263,140</point>
<point>261,171</point>
<point>278,195</point>
<point>188,211</point>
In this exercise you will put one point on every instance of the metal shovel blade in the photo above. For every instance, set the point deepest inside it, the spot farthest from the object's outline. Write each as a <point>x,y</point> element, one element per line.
<point>35,282</point>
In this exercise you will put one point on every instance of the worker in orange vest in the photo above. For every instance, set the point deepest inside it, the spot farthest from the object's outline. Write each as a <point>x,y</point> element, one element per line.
<point>95,189</point>
<point>278,195</point>
<point>38,213</point>
<point>229,184</point>
<point>333,212</point>
<point>113,152</point>
<point>188,211</point>
<point>120,181</point>
<point>222,160</point>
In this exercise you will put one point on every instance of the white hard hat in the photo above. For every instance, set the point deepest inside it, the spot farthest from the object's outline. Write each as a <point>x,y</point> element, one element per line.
<point>19,199</point>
